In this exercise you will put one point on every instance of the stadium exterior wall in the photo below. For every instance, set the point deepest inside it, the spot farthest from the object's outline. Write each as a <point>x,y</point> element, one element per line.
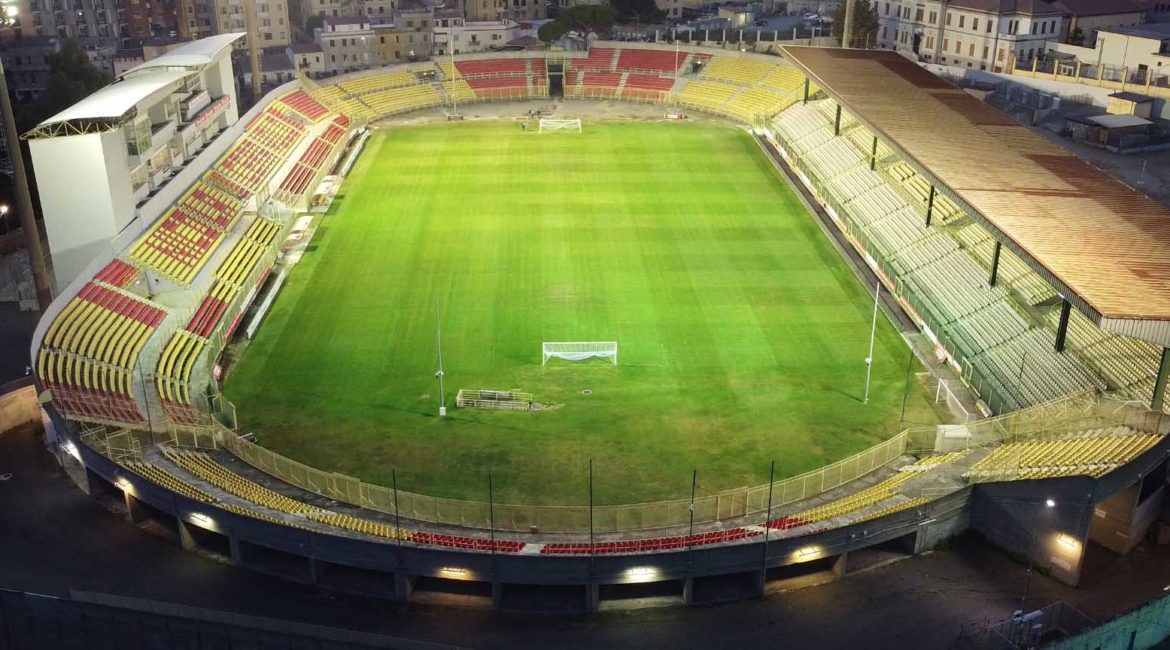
<point>307,555</point>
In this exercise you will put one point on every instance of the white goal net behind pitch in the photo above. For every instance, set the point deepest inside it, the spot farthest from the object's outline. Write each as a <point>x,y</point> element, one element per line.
<point>578,350</point>
<point>549,125</point>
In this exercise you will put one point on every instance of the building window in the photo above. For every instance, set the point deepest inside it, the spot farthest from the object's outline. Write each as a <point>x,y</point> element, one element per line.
<point>948,20</point>
<point>962,19</point>
<point>975,24</point>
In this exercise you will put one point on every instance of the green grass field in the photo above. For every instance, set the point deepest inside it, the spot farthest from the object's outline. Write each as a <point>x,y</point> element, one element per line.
<point>742,334</point>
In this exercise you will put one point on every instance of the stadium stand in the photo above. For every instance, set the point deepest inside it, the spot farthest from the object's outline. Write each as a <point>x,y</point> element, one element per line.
<point>597,59</point>
<point>360,525</point>
<point>117,273</point>
<point>936,268</point>
<point>177,360</point>
<point>1095,452</point>
<point>655,544</point>
<point>745,71</point>
<point>650,61</point>
<point>179,243</point>
<point>205,467</point>
<point>171,482</point>
<point>708,95</point>
<point>87,357</point>
<point>846,505</point>
<point>305,105</point>
<point>392,78</point>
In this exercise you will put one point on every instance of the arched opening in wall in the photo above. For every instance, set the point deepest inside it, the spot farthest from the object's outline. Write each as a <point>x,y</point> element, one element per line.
<point>452,591</point>
<point>556,80</point>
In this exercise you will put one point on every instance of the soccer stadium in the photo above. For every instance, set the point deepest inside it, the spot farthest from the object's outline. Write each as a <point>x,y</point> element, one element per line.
<point>558,330</point>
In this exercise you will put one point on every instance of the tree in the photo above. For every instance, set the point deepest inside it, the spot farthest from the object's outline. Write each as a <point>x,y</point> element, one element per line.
<point>1076,37</point>
<point>72,77</point>
<point>551,31</point>
<point>865,24</point>
<point>597,19</point>
<point>583,19</point>
<point>645,11</point>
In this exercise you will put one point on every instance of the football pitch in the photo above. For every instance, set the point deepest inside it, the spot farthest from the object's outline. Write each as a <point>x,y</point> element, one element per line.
<point>741,332</point>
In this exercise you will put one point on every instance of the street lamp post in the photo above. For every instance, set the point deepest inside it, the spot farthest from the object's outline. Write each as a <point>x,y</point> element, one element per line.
<point>28,219</point>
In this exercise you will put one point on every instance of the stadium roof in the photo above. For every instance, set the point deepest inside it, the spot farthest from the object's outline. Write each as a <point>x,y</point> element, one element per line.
<point>1102,244</point>
<point>109,104</point>
<point>195,54</point>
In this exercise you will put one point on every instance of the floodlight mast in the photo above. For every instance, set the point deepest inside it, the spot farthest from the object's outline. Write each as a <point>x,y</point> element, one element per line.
<point>877,291</point>
<point>439,372</point>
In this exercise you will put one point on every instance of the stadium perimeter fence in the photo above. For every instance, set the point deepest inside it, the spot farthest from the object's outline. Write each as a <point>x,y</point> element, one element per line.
<point>1077,412</point>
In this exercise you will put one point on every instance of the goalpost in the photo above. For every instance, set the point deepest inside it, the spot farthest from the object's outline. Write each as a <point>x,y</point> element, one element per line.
<point>550,125</point>
<point>578,350</point>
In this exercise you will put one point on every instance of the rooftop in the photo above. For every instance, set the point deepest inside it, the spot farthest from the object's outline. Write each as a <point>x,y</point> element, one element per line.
<point>1102,244</point>
<point>305,48</point>
<point>1111,121</point>
<point>1157,31</point>
<point>195,54</point>
<point>1100,7</point>
<point>1132,97</point>
<point>346,20</point>
<point>1030,7</point>
<point>116,99</point>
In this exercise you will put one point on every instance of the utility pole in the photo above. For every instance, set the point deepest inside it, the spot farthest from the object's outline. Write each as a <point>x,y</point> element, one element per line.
<point>253,47</point>
<point>28,219</point>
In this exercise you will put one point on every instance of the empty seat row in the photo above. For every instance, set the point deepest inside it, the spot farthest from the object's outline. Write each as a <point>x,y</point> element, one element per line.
<point>207,468</point>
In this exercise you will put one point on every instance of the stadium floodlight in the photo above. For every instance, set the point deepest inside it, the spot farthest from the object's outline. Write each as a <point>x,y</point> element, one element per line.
<point>877,292</point>
<point>442,399</point>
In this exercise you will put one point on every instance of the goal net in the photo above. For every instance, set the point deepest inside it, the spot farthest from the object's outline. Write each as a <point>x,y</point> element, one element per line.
<point>578,350</point>
<point>548,125</point>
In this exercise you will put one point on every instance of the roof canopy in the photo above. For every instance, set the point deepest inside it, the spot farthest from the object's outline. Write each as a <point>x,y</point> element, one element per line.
<point>195,54</point>
<point>1102,244</point>
<point>110,104</point>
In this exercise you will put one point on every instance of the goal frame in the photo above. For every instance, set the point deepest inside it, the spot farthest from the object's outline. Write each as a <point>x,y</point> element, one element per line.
<point>578,350</point>
<point>554,125</point>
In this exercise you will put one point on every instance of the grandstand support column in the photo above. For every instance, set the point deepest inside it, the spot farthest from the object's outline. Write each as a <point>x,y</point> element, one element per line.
<point>837,121</point>
<point>28,219</point>
<point>994,264</point>
<point>1062,328</point>
<point>873,155</point>
<point>1159,399</point>
<point>804,100</point>
<point>930,205</point>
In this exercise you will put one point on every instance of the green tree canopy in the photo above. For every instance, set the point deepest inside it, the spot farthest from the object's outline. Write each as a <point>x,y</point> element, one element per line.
<point>72,77</point>
<point>598,19</point>
<point>865,24</point>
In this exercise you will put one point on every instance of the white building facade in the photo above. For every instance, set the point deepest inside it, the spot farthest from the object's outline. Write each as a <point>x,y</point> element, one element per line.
<point>981,34</point>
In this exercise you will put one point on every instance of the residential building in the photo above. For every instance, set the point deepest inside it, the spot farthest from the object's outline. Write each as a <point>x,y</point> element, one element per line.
<point>984,34</point>
<point>408,38</point>
<point>80,19</point>
<point>26,64</point>
<point>1091,15</point>
<point>480,36</point>
<point>307,58</point>
<point>271,16</point>
<point>498,10</point>
<point>347,43</point>
<point>197,19</point>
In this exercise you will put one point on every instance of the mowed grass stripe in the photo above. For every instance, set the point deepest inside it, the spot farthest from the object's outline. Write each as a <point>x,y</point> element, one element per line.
<point>741,332</point>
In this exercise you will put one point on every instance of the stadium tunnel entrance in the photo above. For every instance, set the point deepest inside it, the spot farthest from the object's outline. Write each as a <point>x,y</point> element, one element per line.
<point>556,80</point>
